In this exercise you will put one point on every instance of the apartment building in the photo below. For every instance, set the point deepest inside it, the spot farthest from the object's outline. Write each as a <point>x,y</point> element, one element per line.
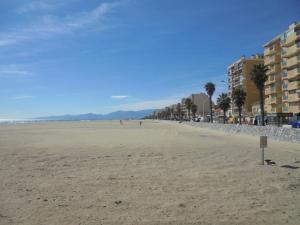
<point>239,76</point>
<point>282,56</point>
<point>201,100</point>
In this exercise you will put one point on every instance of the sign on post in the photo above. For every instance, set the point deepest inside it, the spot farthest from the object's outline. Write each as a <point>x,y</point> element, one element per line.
<point>263,141</point>
<point>263,145</point>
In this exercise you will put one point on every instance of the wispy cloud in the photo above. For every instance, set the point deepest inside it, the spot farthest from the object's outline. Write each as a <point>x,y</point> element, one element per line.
<point>14,73</point>
<point>51,25</point>
<point>23,97</point>
<point>38,6</point>
<point>15,70</point>
<point>119,96</point>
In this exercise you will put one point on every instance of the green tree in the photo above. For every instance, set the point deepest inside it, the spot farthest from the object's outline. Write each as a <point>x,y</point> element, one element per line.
<point>194,109</point>
<point>239,98</point>
<point>259,78</point>
<point>188,104</point>
<point>224,103</point>
<point>178,110</point>
<point>172,112</point>
<point>210,90</point>
<point>168,113</point>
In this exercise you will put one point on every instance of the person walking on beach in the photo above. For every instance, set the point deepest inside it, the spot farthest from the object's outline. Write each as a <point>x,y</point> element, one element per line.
<point>141,123</point>
<point>121,122</point>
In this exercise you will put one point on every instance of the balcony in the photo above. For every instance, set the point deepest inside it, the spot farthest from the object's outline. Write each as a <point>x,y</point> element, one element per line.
<point>294,97</point>
<point>294,85</point>
<point>273,100</point>
<point>290,39</point>
<point>295,108</point>
<point>267,101</point>
<point>291,50</point>
<point>293,61</point>
<point>269,51</point>
<point>294,73</point>
<point>267,91</point>
<point>271,70</point>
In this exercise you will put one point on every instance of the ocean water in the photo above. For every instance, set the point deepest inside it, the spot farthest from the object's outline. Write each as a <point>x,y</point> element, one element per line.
<point>18,121</point>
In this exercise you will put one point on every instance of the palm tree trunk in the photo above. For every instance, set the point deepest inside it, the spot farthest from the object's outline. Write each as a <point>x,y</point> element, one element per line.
<point>240,115</point>
<point>224,119</point>
<point>210,105</point>
<point>262,104</point>
<point>189,111</point>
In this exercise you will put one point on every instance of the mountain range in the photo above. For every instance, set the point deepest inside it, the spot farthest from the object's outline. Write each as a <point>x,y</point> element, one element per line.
<point>118,115</point>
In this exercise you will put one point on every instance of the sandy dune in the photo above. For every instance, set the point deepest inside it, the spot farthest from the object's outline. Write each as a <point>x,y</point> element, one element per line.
<point>161,173</point>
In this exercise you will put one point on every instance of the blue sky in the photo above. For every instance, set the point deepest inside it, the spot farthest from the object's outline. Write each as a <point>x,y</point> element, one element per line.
<point>79,56</point>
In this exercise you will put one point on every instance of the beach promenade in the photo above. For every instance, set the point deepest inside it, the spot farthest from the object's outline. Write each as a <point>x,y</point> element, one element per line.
<point>92,173</point>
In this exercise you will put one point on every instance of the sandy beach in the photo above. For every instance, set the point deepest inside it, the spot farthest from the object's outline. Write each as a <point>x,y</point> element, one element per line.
<point>88,173</point>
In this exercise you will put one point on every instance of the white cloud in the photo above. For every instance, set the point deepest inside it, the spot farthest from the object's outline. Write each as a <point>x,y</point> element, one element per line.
<point>51,25</point>
<point>14,72</point>
<point>37,6</point>
<point>23,97</point>
<point>119,96</point>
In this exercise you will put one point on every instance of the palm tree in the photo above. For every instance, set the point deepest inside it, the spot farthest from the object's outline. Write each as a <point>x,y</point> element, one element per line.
<point>168,113</point>
<point>194,109</point>
<point>172,113</point>
<point>210,89</point>
<point>224,103</point>
<point>259,78</point>
<point>239,98</point>
<point>188,104</point>
<point>178,110</point>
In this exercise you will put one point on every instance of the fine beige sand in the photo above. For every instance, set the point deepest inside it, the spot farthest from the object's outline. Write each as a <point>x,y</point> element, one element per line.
<point>89,173</point>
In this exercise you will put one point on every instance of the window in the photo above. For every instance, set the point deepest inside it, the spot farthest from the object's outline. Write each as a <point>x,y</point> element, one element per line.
<point>285,85</point>
<point>272,77</point>
<point>284,73</point>
<point>273,86</point>
<point>273,97</point>
<point>273,109</point>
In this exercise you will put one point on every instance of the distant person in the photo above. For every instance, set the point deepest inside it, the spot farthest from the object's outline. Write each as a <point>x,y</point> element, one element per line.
<point>121,122</point>
<point>255,122</point>
<point>141,123</point>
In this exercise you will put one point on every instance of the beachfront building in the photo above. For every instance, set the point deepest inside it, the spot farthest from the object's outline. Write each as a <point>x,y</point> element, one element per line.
<point>282,56</point>
<point>239,76</point>
<point>201,100</point>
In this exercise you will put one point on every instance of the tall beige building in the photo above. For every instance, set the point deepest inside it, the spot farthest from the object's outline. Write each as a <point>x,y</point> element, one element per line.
<point>282,56</point>
<point>239,76</point>
<point>201,100</point>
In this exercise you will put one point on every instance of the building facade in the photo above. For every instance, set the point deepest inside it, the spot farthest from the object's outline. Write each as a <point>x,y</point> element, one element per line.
<point>282,56</point>
<point>239,76</point>
<point>201,100</point>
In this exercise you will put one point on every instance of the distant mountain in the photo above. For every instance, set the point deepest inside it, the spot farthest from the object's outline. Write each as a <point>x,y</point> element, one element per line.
<point>118,115</point>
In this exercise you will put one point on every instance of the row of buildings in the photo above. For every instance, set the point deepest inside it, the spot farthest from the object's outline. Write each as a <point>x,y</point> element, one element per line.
<point>282,90</point>
<point>201,100</point>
